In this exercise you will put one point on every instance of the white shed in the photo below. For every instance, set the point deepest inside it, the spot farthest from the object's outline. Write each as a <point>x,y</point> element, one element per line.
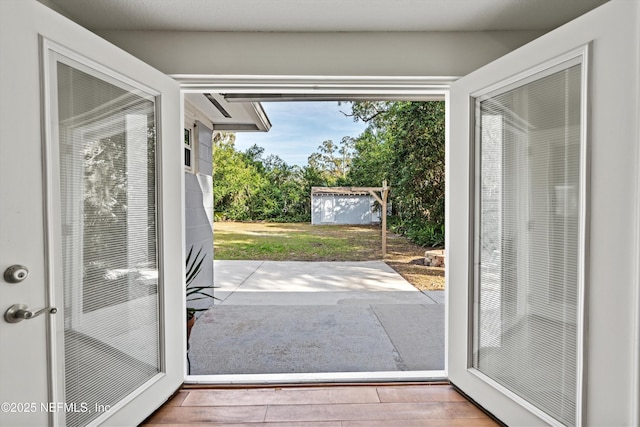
<point>340,205</point>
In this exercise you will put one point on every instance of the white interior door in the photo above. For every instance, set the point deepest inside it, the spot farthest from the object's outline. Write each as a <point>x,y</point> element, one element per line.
<point>519,209</point>
<point>91,148</point>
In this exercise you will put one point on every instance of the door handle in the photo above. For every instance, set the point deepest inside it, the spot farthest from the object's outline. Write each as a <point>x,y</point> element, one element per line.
<point>19,312</point>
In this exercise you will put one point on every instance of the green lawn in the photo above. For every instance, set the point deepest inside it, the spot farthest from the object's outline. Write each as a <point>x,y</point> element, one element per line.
<point>295,242</point>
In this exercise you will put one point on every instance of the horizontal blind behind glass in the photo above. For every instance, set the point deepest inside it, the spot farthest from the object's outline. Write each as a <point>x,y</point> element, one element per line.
<point>527,279</point>
<point>107,191</point>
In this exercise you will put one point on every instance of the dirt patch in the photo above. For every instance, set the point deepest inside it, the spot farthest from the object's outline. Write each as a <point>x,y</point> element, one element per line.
<point>408,260</point>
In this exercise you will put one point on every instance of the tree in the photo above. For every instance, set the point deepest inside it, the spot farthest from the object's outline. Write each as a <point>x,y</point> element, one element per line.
<point>237,181</point>
<point>404,143</point>
<point>346,153</point>
<point>333,161</point>
<point>253,156</point>
<point>419,131</point>
<point>371,161</point>
<point>247,186</point>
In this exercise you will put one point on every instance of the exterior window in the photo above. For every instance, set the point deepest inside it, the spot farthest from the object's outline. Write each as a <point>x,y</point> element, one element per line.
<point>188,147</point>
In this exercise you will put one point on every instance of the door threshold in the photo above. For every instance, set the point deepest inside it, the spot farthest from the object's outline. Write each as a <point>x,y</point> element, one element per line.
<point>318,378</point>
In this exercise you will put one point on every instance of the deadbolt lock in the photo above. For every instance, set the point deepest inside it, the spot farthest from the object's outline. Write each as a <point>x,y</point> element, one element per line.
<point>16,273</point>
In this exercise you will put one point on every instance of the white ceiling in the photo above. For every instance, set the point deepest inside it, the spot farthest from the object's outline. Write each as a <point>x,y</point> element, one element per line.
<point>324,15</point>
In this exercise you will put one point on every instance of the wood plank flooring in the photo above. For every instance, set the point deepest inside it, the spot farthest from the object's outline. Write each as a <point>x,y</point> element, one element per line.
<point>321,406</point>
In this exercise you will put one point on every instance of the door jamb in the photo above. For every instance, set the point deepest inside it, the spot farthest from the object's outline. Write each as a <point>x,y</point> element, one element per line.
<point>333,88</point>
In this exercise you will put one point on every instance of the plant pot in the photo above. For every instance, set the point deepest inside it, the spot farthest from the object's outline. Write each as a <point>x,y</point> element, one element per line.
<point>190,322</point>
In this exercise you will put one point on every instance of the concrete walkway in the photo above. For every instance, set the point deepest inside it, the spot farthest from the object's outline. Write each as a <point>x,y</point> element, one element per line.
<point>312,317</point>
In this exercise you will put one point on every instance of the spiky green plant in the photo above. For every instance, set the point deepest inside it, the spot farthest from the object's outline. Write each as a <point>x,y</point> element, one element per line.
<point>193,269</point>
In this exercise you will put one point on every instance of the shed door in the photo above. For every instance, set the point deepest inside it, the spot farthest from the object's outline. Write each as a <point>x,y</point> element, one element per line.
<point>328,209</point>
<point>93,174</point>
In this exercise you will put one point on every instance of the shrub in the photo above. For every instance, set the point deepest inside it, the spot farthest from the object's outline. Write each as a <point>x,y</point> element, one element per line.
<point>425,234</point>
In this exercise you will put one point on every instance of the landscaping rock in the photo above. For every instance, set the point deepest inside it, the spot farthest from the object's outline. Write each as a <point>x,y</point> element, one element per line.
<point>434,258</point>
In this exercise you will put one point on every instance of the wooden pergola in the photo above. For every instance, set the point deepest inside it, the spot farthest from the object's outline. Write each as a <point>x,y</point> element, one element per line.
<point>380,194</point>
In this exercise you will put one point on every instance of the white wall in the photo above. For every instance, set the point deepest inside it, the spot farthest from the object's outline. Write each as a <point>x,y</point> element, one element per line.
<point>346,209</point>
<point>334,54</point>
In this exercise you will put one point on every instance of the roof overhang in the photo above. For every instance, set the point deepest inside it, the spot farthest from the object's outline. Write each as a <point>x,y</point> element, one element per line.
<point>228,117</point>
<point>344,191</point>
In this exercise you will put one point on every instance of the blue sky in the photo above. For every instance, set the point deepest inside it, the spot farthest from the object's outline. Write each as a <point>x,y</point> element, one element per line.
<point>298,128</point>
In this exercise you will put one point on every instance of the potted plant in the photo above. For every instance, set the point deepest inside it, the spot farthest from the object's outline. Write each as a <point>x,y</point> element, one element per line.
<point>194,293</point>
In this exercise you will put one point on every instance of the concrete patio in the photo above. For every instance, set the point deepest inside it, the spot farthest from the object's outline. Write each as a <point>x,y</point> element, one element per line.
<point>314,317</point>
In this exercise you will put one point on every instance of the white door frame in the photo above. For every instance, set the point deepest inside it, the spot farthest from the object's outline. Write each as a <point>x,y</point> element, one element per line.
<point>328,88</point>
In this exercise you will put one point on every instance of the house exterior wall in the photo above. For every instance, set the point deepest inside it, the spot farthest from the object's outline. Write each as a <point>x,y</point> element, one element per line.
<point>340,209</point>
<point>198,193</point>
<point>204,136</point>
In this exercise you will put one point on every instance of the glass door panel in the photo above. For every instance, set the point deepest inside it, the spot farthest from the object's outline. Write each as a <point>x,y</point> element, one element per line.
<point>109,262</point>
<point>528,240</point>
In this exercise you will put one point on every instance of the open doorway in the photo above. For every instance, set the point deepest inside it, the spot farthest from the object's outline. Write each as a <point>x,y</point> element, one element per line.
<point>256,276</point>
